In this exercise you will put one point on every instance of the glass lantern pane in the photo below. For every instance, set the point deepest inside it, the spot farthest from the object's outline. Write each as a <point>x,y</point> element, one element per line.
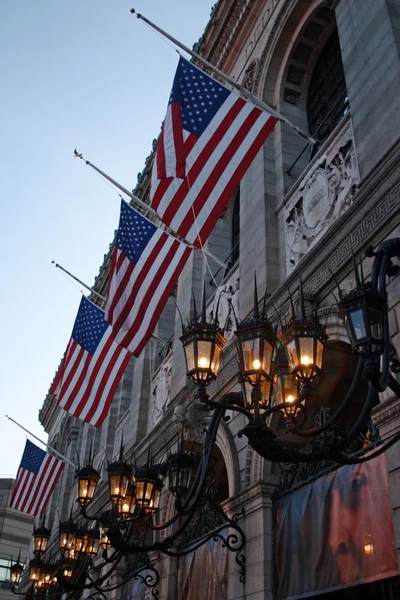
<point>306,351</point>
<point>203,354</point>
<point>292,353</point>
<point>139,490</point>
<point>357,321</point>
<point>189,353</point>
<point>320,353</point>
<point>149,490</point>
<point>216,360</point>
<point>376,323</point>
<point>251,355</point>
<point>266,363</point>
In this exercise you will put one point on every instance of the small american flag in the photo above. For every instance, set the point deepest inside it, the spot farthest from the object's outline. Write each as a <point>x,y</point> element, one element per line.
<point>37,476</point>
<point>92,367</point>
<point>146,264</point>
<point>209,138</point>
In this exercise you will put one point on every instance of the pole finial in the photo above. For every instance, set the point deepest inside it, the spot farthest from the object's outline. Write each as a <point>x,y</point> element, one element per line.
<point>77,154</point>
<point>256,314</point>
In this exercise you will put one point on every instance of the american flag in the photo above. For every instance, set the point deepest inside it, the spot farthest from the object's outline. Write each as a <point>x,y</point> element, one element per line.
<point>209,138</point>
<point>37,476</point>
<point>92,367</point>
<point>145,267</point>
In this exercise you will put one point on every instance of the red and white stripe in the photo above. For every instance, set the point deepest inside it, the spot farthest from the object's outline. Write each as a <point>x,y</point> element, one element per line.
<point>215,163</point>
<point>31,491</point>
<point>85,384</point>
<point>138,293</point>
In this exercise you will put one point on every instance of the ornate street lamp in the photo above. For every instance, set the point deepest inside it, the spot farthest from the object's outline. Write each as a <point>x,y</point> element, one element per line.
<point>289,387</point>
<point>119,476</point>
<point>35,566</point>
<point>202,343</point>
<point>93,543</point>
<point>66,534</point>
<point>126,506</point>
<point>16,571</point>
<point>365,308</point>
<point>41,536</point>
<point>148,489</point>
<point>180,465</point>
<point>81,540</point>
<point>87,479</point>
<point>305,339</point>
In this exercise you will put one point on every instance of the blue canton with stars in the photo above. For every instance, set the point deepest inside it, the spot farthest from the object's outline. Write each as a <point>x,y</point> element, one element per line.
<point>32,458</point>
<point>134,233</point>
<point>199,95</point>
<point>89,326</point>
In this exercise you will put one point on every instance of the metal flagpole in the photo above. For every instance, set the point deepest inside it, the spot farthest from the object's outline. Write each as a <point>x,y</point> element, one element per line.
<point>42,442</point>
<point>157,339</point>
<point>228,80</point>
<point>154,216</point>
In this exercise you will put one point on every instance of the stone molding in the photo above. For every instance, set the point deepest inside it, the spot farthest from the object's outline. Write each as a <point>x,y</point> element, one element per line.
<point>386,412</point>
<point>258,495</point>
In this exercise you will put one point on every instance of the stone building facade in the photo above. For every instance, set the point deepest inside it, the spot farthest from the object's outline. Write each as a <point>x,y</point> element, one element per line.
<point>332,68</point>
<point>15,536</point>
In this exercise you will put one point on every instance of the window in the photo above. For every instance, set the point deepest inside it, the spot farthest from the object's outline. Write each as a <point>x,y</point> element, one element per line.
<point>327,96</point>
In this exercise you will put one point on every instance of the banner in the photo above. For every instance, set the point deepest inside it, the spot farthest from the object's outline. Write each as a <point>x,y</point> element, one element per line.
<point>336,532</point>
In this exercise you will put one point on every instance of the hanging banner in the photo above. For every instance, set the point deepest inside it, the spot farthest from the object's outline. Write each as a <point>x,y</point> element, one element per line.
<point>203,574</point>
<point>336,532</point>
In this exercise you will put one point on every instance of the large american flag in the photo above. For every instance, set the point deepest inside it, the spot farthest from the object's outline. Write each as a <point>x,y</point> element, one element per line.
<point>209,138</point>
<point>37,476</point>
<point>92,367</point>
<point>146,265</point>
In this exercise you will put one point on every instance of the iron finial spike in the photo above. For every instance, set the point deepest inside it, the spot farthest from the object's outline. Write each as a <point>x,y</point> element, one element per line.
<point>194,306</point>
<point>362,273</point>
<point>203,307</point>
<point>121,451</point>
<point>337,284</point>
<point>292,304</point>
<point>90,453</point>
<point>256,313</point>
<point>301,300</point>
<point>357,275</point>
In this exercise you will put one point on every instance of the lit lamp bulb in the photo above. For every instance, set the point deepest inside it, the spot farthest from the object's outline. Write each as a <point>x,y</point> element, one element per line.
<point>256,364</point>
<point>305,360</point>
<point>203,362</point>
<point>290,398</point>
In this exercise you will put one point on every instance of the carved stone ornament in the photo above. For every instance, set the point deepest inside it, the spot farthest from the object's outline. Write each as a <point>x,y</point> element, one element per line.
<point>324,193</point>
<point>226,305</point>
<point>160,390</point>
<point>249,77</point>
<point>190,420</point>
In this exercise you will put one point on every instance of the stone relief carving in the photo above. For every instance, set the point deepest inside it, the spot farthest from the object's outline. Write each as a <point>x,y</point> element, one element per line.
<point>249,76</point>
<point>321,196</point>
<point>226,306</point>
<point>160,390</point>
<point>190,420</point>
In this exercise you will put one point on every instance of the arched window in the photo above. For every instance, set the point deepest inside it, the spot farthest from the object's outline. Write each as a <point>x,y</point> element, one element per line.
<point>327,95</point>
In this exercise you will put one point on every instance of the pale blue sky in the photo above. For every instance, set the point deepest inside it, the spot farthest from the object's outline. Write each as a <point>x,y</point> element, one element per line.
<point>73,74</point>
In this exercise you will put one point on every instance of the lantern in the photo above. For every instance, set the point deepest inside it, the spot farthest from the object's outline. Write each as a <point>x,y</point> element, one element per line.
<point>41,536</point>
<point>46,575</point>
<point>288,386</point>
<point>365,310</point>
<point>119,476</point>
<point>16,573</point>
<point>148,490</point>
<point>34,569</point>
<point>202,344</point>
<point>305,341</point>
<point>66,533</point>
<point>180,467</point>
<point>68,568</point>
<point>87,479</point>
<point>93,543</point>
<point>126,505</point>
<point>257,396</point>
<point>81,539</point>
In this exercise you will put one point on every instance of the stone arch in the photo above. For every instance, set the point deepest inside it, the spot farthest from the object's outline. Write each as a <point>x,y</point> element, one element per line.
<point>226,445</point>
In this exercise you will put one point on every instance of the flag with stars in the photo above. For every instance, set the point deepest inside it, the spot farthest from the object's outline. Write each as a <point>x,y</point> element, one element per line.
<point>37,476</point>
<point>209,138</point>
<point>145,267</point>
<point>92,367</point>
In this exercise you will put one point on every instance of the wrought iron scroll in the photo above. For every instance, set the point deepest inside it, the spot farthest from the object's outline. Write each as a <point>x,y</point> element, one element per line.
<point>293,476</point>
<point>210,522</point>
<point>140,567</point>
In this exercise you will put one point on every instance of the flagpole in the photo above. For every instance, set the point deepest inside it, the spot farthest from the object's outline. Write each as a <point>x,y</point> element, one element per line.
<point>149,210</point>
<point>228,79</point>
<point>157,339</point>
<point>42,442</point>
